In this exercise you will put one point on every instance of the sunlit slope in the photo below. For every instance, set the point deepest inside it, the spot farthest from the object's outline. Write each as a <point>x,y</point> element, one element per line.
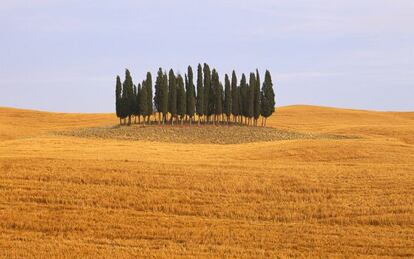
<point>17,123</point>
<point>396,125</point>
<point>63,196</point>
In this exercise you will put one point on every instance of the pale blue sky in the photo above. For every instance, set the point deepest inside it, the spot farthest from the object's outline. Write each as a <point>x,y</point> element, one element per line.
<point>64,55</point>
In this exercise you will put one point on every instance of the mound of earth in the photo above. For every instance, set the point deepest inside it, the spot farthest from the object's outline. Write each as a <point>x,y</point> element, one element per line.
<point>206,134</point>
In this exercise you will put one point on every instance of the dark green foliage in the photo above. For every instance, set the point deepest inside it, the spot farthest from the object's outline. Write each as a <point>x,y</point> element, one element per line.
<point>200,92</point>
<point>181,97</point>
<point>148,83</point>
<point>118,97</point>
<point>268,96</point>
<point>158,91</point>
<point>227,96</point>
<point>172,90</point>
<point>234,95</point>
<point>164,96</point>
<point>257,96</point>
<point>143,100</point>
<point>190,90</point>
<point>250,103</point>
<point>207,88</point>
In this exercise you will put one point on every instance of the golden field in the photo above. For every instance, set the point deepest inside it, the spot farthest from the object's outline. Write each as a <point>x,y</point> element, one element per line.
<point>66,196</point>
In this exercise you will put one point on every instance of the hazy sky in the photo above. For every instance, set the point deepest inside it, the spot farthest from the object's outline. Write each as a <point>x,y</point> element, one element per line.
<point>64,55</point>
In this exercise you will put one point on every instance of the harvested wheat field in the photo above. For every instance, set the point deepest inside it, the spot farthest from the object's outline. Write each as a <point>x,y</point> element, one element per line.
<point>319,182</point>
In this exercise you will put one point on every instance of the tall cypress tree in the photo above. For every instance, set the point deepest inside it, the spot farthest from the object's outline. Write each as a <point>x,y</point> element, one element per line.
<point>218,109</point>
<point>172,100</point>
<point>234,96</point>
<point>250,106</point>
<point>181,98</point>
<point>207,88</point>
<point>190,90</point>
<point>149,95</point>
<point>200,93</point>
<point>257,98</point>
<point>129,96</point>
<point>118,98</point>
<point>158,93</point>
<point>143,100</point>
<point>165,97</point>
<point>243,96</point>
<point>138,101</point>
<point>215,103</point>
<point>268,97</point>
<point>227,98</point>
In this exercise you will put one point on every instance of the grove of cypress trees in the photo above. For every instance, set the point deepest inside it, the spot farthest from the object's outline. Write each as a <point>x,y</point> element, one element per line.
<point>143,101</point>
<point>165,97</point>
<point>158,93</point>
<point>176,96</point>
<point>181,98</point>
<point>257,98</point>
<point>268,97</point>
<point>190,90</point>
<point>207,88</point>
<point>118,99</point>
<point>234,96</point>
<point>148,83</point>
<point>227,98</point>
<point>200,94</point>
<point>172,99</point>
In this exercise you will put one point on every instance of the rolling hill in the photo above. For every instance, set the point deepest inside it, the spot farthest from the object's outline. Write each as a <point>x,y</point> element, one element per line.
<point>66,195</point>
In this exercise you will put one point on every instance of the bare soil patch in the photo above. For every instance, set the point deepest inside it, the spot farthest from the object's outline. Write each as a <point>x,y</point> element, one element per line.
<point>206,134</point>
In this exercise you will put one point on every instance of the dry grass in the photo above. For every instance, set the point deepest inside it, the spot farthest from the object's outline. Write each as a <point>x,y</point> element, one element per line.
<point>66,196</point>
<point>205,134</point>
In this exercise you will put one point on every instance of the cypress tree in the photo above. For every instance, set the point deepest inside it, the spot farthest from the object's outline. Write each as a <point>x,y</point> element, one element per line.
<point>158,93</point>
<point>250,105</point>
<point>257,98</point>
<point>218,109</point>
<point>227,98</point>
<point>172,100</point>
<point>234,96</point>
<point>129,96</point>
<point>207,88</point>
<point>143,100</point>
<point>268,97</point>
<point>164,96</point>
<point>190,90</point>
<point>213,94</point>
<point>148,82</point>
<point>200,94</point>
<point>118,98</point>
<point>243,97</point>
<point>138,101</point>
<point>181,98</point>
